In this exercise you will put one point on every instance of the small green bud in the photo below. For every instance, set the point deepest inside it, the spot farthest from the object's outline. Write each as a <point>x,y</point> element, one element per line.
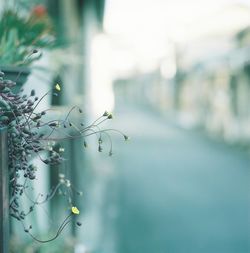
<point>105,114</point>
<point>110,116</point>
<point>85,144</point>
<point>100,148</point>
<point>78,223</point>
<point>126,138</point>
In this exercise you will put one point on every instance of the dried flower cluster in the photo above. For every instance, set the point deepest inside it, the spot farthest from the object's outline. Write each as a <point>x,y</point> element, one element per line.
<point>30,135</point>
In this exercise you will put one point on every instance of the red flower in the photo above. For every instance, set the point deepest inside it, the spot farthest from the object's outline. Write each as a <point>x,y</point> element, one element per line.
<point>39,11</point>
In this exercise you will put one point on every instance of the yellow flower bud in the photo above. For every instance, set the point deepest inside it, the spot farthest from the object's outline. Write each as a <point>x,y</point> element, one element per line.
<point>57,87</point>
<point>75,210</point>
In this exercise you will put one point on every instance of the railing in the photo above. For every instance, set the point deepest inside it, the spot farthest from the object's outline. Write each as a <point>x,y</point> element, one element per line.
<point>4,193</point>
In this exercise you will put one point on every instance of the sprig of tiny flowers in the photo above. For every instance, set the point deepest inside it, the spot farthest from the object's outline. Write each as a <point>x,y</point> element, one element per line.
<point>30,135</point>
<point>66,221</point>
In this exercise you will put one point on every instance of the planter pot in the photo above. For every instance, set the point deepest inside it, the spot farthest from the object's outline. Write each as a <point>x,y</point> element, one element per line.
<point>16,74</point>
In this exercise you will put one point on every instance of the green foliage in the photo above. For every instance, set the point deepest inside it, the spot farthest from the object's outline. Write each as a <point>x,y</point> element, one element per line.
<point>20,35</point>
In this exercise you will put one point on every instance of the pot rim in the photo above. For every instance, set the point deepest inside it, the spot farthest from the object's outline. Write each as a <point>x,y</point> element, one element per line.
<point>13,69</point>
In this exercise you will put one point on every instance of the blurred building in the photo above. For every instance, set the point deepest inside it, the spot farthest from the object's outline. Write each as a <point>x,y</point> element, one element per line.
<point>207,85</point>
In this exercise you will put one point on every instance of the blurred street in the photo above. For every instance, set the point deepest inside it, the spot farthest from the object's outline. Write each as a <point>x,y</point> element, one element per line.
<point>179,191</point>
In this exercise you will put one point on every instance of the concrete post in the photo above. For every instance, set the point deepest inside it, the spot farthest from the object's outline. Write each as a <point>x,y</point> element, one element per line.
<point>4,192</point>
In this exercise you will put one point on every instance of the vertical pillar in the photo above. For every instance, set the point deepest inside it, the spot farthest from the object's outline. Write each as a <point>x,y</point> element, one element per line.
<point>4,193</point>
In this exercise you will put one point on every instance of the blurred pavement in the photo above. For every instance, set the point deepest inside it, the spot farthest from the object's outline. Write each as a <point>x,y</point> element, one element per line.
<point>178,191</point>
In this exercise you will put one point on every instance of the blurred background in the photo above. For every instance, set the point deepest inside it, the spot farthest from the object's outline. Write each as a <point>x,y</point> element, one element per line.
<point>176,75</point>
